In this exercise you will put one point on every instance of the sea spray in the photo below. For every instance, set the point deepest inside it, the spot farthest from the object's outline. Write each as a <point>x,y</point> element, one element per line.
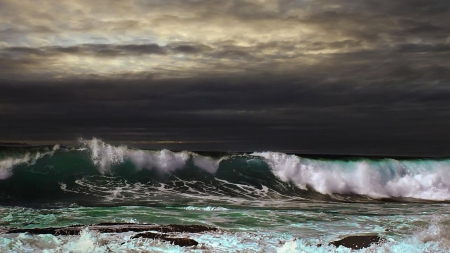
<point>384,178</point>
<point>104,155</point>
<point>7,164</point>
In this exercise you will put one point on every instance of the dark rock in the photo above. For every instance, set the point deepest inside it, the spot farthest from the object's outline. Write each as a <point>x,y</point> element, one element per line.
<point>116,228</point>
<point>357,241</point>
<point>185,242</point>
<point>184,228</point>
<point>160,234</point>
<point>150,235</point>
<point>54,231</point>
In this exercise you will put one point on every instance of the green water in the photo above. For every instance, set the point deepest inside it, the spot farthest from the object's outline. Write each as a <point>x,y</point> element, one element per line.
<point>254,229</point>
<point>261,202</point>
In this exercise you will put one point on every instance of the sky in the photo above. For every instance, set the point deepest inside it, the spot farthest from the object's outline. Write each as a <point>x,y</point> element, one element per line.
<point>299,76</point>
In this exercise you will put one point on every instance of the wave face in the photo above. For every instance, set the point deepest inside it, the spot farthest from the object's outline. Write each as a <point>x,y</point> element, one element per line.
<point>382,178</point>
<point>97,173</point>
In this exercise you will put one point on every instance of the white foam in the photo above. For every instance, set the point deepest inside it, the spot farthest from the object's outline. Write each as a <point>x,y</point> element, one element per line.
<point>290,246</point>
<point>7,164</point>
<point>87,241</point>
<point>207,208</point>
<point>437,231</point>
<point>207,164</point>
<point>387,178</point>
<point>433,238</point>
<point>104,155</point>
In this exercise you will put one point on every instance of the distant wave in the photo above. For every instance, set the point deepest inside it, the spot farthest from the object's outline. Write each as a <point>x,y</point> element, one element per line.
<point>98,171</point>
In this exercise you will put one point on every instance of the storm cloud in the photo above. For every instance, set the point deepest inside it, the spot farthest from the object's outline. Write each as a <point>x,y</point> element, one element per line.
<point>365,77</point>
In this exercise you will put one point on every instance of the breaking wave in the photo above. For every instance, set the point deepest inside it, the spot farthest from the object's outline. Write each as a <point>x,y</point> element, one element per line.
<point>97,172</point>
<point>385,178</point>
<point>105,155</point>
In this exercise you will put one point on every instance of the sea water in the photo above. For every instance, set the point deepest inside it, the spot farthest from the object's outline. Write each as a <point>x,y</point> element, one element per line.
<point>260,202</point>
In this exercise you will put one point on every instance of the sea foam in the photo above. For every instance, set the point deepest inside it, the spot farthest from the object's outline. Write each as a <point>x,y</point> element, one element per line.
<point>387,178</point>
<point>7,164</point>
<point>104,155</point>
<point>425,179</point>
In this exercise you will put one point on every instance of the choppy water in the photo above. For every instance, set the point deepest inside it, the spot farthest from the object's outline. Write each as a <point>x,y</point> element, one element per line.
<point>262,202</point>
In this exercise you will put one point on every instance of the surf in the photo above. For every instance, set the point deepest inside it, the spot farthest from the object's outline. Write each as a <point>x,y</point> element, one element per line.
<point>96,172</point>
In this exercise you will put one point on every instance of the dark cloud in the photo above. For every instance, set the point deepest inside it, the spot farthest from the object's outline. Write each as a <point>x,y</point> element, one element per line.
<point>103,50</point>
<point>323,76</point>
<point>189,48</point>
<point>250,113</point>
<point>87,49</point>
<point>421,48</point>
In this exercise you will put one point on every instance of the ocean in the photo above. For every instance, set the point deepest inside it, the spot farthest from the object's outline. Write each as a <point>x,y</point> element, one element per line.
<point>96,197</point>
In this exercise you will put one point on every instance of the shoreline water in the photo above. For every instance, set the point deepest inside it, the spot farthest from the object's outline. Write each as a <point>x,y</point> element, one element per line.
<point>260,201</point>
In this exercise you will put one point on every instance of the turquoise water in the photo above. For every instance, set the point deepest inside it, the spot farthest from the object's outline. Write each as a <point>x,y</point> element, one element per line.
<point>261,202</point>
<point>408,227</point>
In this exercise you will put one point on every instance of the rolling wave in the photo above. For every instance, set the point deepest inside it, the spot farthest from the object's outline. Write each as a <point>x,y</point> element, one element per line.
<point>385,178</point>
<point>96,172</point>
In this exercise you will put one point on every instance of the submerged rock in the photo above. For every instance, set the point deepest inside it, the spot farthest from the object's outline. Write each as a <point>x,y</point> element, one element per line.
<point>185,242</point>
<point>162,232</point>
<point>72,230</point>
<point>357,241</point>
<point>115,228</point>
<point>185,228</point>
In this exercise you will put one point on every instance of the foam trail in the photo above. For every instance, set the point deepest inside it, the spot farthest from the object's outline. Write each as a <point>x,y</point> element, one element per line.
<point>427,179</point>
<point>7,165</point>
<point>208,208</point>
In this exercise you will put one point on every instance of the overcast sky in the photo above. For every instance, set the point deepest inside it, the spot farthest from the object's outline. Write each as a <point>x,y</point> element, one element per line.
<point>322,76</point>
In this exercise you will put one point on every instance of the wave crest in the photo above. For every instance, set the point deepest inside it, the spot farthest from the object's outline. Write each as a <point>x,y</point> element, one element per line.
<point>7,164</point>
<point>104,155</point>
<point>90,168</point>
<point>387,178</point>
